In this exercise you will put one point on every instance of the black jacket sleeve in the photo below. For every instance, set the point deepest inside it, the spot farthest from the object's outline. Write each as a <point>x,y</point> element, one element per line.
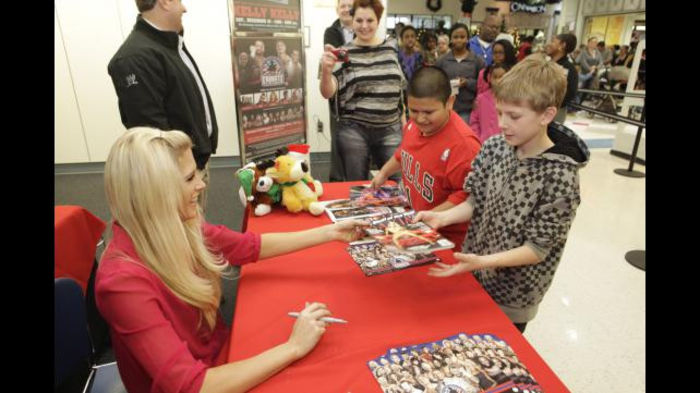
<point>333,37</point>
<point>571,85</point>
<point>141,88</point>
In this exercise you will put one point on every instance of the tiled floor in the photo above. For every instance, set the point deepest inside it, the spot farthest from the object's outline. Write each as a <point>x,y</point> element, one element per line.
<point>590,328</point>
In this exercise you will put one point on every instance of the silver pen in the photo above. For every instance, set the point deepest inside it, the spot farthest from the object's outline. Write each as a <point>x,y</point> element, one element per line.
<point>324,319</point>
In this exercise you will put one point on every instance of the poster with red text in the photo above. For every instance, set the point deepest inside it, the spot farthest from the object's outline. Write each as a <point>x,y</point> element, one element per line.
<point>277,16</point>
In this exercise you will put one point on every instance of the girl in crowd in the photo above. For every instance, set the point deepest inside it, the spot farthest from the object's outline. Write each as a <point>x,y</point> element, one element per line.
<point>504,53</point>
<point>367,90</point>
<point>462,67</point>
<point>158,284</point>
<point>484,119</point>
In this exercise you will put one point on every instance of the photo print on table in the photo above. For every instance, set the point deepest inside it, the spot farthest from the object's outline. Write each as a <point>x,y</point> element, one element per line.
<point>452,365</point>
<point>397,232</point>
<point>364,195</point>
<point>373,258</point>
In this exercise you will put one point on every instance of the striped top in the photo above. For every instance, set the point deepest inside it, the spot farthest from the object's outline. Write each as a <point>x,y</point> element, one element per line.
<point>370,84</point>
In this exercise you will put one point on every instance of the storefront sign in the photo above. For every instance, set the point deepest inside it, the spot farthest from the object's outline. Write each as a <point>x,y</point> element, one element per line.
<point>522,7</point>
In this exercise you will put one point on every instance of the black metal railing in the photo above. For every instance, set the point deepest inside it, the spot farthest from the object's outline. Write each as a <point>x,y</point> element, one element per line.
<point>636,258</point>
<point>640,123</point>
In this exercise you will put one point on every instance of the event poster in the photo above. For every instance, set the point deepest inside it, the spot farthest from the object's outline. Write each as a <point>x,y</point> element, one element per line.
<point>269,84</point>
<point>277,16</point>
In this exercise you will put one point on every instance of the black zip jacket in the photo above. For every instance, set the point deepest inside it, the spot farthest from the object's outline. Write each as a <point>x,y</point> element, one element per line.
<point>156,89</point>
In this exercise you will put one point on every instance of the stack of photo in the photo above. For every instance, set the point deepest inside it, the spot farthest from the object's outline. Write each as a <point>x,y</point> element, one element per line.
<point>459,363</point>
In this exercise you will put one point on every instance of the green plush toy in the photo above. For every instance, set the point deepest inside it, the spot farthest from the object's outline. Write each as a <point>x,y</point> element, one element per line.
<point>257,188</point>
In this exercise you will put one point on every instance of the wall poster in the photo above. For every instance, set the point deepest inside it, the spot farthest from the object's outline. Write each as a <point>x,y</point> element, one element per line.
<point>276,16</point>
<point>269,85</point>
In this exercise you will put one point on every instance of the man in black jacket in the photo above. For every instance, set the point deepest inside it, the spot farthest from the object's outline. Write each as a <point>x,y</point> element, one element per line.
<point>558,50</point>
<point>338,34</point>
<point>158,83</point>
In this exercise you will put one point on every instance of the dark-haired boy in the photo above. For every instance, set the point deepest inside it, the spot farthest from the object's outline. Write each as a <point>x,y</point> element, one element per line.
<point>437,149</point>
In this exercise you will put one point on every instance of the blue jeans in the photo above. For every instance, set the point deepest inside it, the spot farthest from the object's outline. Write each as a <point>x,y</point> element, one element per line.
<point>357,143</point>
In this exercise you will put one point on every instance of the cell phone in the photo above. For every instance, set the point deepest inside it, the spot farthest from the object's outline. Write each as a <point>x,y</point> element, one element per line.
<point>341,55</point>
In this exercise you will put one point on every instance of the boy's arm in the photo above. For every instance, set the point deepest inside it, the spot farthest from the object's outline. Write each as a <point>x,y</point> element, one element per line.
<point>547,226</point>
<point>438,219</point>
<point>519,256</point>
<point>392,166</point>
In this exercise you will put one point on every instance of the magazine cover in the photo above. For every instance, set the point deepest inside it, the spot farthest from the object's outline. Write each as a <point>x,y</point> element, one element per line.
<point>382,196</point>
<point>344,209</point>
<point>397,232</point>
<point>455,364</point>
<point>373,258</point>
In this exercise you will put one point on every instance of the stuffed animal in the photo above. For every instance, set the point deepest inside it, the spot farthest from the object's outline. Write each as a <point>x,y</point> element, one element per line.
<point>257,188</point>
<point>298,188</point>
<point>301,152</point>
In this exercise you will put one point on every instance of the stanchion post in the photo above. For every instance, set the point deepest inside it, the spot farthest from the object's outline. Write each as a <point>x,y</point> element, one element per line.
<point>630,172</point>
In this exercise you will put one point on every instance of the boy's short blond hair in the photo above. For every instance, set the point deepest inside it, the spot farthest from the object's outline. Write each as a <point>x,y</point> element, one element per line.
<point>536,81</point>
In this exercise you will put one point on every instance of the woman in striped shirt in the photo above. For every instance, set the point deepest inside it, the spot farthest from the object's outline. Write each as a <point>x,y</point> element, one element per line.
<point>367,87</point>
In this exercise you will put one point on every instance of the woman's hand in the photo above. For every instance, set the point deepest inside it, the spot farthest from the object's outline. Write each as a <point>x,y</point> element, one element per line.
<point>347,230</point>
<point>328,59</point>
<point>434,219</point>
<point>308,329</point>
<point>466,263</point>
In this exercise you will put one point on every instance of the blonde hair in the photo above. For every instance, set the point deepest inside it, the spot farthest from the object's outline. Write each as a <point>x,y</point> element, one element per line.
<point>144,184</point>
<point>536,81</point>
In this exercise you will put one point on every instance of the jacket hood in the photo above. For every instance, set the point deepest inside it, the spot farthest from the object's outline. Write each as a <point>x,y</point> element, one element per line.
<point>568,147</point>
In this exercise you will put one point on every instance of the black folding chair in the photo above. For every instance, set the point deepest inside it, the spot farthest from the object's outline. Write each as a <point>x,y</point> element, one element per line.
<point>73,351</point>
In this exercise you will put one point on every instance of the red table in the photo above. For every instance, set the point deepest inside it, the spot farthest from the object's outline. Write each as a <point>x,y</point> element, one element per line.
<point>76,232</point>
<point>391,310</point>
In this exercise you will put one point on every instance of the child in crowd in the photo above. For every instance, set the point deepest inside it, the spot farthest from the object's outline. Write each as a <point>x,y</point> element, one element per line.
<point>524,192</point>
<point>436,152</point>
<point>462,66</point>
<point>430,51</point>
<point>484,119</point>
<point>410,55</point>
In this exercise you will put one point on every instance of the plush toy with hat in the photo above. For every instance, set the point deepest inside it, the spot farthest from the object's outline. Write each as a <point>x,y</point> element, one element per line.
<point>301,152</point>
<point>257,188</point>
<point>299,189</point>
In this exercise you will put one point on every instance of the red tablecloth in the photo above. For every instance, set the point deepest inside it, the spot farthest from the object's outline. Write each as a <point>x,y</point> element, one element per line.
<point>391,310</point>
<point>76,233</point>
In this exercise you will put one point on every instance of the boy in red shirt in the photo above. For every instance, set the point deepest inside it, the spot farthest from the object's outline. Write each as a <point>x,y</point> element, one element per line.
<point>436,152</point>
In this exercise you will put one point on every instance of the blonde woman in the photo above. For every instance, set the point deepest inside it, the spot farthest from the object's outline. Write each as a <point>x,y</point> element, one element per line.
<point>158,283</point>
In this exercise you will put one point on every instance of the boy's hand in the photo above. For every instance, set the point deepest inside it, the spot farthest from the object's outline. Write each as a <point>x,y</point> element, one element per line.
<point>466,263</point>
<point>378,180</point>
<point>434,219</point>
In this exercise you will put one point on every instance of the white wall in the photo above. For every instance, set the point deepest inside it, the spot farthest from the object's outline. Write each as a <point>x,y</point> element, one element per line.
<point>88,33</point>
